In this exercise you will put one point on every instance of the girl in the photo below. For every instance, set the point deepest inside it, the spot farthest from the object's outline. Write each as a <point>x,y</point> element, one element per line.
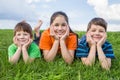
<point>58,39</point>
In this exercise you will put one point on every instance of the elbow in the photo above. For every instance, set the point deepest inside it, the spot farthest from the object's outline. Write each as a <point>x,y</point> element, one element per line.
<point>106,67</point>
<point>12,61</point>
<point>47,59</point>
<point>69,61</point>
<point>88,63</point>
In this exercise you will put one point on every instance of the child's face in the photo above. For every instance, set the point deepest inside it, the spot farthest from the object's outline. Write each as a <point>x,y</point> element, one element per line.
<point>96,32</point>
<point>22,37</point>
<point>59,26</point>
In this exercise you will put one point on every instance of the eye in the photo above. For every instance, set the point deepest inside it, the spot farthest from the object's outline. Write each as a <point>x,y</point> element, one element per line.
<point>64,24</point>
<point>18,34</point>
<point>93,30</point>
<point>56,25</point>
<point>25,34</point>
<point>101,31</point>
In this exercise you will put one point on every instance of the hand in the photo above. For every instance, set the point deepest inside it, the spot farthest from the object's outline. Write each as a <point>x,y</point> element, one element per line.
<point>27,44</point>
<point>90,40</point>
<point>52,33</point>
<point>66,34</point>
<point>16,42</point>
<point>37,27</point>
<point>102,40</point>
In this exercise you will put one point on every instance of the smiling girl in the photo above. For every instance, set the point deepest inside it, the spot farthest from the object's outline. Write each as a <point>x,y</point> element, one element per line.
<point>58,39</point>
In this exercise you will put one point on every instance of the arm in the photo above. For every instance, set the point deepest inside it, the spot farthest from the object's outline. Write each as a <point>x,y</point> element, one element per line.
<point>68,55</point>
<point>90,59</point>
<point>105,62</point>
<point>25,55</point>
<point>14,59</point>
<point>49,55</point>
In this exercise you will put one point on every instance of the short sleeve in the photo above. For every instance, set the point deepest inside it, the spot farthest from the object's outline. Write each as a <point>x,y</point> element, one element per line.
<point>45,41</point>
<point>108,50</point>
<point>34,51</point>
<point>72,42</point>
<point>11,50</point>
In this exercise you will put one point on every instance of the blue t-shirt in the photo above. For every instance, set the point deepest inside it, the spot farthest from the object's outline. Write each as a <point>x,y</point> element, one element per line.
<point>83,49</point>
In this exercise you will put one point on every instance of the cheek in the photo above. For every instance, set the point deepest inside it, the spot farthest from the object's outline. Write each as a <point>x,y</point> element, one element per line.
<point>54,28</point>
<point>17,37</point>
<point>91,33</point>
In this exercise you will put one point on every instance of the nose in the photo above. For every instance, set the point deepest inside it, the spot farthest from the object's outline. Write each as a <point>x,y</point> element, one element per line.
<point>21,36</point>
<point>60,27</point>
<point>97,32</point>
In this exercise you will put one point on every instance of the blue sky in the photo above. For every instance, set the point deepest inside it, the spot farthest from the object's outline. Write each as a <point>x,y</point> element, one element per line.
<point>80,12</point>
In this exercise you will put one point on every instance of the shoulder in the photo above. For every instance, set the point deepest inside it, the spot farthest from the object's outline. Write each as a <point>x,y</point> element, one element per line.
<point>12,46</point>
<point>107,43</point>
<point>72,35</point>
<point>33,45</point>
<point>83,39</point>
<point>46,32</point>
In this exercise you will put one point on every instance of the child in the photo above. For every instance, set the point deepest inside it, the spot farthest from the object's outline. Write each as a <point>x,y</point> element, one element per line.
<point>58,39</point>
<point>94,43</point>
<point>23,45</point>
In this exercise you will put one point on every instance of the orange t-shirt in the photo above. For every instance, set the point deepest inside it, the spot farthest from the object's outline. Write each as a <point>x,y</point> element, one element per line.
<point>46,41</point>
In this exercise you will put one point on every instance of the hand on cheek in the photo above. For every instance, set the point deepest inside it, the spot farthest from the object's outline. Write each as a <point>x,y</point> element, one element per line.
<point>66,33</point>
<point>16,42</point>
<point>27,43</point>
<point>52,33</point>
<point>90,39</point>
<point>102,40</point>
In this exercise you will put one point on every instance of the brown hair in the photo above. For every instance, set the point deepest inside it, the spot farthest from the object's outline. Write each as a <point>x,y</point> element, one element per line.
<point>97,21</point>
<point>23,26</point>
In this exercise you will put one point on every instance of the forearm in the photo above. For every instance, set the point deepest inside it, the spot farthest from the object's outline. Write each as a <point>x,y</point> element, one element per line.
<point>14,59</point>
<point>105,63</point>
<point>91,56</point>
<point>65,53</point>
<point>53,51</point>
<point>25,55</point>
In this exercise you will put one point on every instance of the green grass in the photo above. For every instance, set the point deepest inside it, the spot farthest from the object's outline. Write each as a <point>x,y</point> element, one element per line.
<point>58,69</point>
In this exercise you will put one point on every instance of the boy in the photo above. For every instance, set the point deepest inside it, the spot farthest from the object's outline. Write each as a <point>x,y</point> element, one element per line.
<point>23,45</point>
<point>95,44</point>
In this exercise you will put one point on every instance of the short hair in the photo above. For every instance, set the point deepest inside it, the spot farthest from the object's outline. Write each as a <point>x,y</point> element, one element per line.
<point>97,21</point>
<point>23,26</point>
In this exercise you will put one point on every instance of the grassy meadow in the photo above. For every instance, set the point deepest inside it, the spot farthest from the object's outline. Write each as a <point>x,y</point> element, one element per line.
<point>58,69</point>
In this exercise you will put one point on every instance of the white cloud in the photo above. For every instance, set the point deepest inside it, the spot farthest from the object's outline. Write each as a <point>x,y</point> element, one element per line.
<point>31,1</point>
<point>16,10</point>
<point>49,0</point>
<point>110,12</point>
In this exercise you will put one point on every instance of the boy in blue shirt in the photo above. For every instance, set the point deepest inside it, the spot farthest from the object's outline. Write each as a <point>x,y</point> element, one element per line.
<point>94,44</point>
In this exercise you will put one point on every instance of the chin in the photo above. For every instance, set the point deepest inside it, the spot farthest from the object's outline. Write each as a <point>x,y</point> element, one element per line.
<point>22,43</point>
<point>60,36</point>
<point>96,41</point>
